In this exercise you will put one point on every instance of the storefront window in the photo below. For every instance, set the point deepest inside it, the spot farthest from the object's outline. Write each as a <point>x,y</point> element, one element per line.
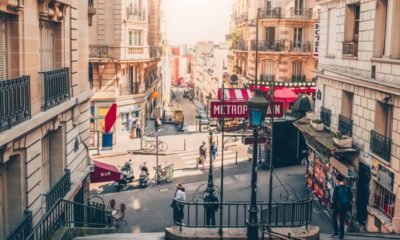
<point>384,200</point>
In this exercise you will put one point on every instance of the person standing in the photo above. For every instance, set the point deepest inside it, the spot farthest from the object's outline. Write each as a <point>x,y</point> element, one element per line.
<point>341,203</point>
<point>214,150</point>
<point>138,128</point>
<point>132,129</point>
<point>202,153</point>
<point>177,204</point>
<point>210,208</point>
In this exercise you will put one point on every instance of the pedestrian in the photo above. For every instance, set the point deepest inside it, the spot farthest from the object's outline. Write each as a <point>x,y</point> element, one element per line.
<point>243,124</point>
<point>214,150</point>
<point>210,207</point>
<point>132,129</point>
<point>341,204</point>
<point>138,128</point>
<point>178,204</point>
<point>202,153</point>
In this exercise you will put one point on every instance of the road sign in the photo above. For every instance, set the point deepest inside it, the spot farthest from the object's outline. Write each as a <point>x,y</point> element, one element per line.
<point>110,118</point>
<point>250,140</point>
<point>238,109</point>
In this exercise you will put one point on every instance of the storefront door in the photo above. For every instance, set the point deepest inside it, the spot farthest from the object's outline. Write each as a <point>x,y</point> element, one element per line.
<point>364,177</point>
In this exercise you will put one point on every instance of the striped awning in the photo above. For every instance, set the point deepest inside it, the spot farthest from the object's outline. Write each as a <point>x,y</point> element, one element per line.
<point>235,93</point>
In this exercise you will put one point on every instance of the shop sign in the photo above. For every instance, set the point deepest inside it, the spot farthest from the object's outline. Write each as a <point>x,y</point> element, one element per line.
<point>385,177</point>
<point>316,40</point>
<point>238,109</point>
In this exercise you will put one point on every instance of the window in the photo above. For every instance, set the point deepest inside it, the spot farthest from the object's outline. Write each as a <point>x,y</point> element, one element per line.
<point>4,47</point>
<point>268,70</point>
<point>381,20</point>
<point>47,45</point>
<point>396,33</point>
<point>332,31</point>
<point>270,34</point>
<point>347,104</point>
<point>297,68</point>
<point>132,80</point>
<point>383,118</point>
<point>134,38</point>
<point>352,22</point>
<point>384,200</point>
<point>297,38</point>
<point>299,5</point>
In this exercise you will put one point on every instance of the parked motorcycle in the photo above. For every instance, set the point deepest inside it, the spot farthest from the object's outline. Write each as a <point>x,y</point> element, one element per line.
<point>126,176</point>
<point>144,175</point>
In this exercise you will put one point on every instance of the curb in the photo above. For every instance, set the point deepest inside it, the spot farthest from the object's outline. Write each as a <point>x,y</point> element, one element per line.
<point>132,152</point>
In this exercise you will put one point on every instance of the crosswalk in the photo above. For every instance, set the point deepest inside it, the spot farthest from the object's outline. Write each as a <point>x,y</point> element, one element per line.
<point>190,159</point>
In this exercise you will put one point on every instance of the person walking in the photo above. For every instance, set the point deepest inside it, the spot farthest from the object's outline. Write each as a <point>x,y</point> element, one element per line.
<point>210,207</point>
<point>214,150</point>
<point>177,205</point>
<point>341,203</point>
<point>132,129</point>
<point>138,128</point>
<point>202,153</point>
<point>243,124</point>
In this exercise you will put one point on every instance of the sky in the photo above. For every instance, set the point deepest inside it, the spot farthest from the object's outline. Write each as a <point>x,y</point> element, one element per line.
<point>190,21</point>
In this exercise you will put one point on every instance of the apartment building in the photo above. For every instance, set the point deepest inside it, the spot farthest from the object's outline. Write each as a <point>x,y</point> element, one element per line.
<point>125,62</point>
<point>44,108</point>
<point>358,82</point>
<point>286,45</point>
<point>203,80</point>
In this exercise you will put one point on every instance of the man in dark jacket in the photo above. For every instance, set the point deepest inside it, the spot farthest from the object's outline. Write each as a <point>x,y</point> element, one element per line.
<point>210,206</point>
<point>341,204</point>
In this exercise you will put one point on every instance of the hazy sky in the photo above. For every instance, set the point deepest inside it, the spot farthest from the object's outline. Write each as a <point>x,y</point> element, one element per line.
<point>189,21</point>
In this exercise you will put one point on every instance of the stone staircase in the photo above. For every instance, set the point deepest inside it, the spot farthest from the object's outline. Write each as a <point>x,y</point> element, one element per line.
<point>125,236</point>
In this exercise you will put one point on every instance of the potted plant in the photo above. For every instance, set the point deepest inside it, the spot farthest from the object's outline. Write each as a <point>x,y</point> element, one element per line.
<point>341,140</point>
<point>317,125</point>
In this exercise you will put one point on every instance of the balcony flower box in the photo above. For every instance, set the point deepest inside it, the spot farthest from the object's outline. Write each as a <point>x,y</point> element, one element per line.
<point>342,141</point>
<point>310,115</point>
<point>317,125</point>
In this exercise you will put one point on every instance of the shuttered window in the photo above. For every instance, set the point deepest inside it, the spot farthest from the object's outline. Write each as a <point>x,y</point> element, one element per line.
<point>4,47</point>
<point>47,49</point>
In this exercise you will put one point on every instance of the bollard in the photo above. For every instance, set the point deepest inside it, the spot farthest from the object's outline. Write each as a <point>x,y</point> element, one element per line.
<point>184,144</point>
<point>141,143</point>
<point>236,157</point>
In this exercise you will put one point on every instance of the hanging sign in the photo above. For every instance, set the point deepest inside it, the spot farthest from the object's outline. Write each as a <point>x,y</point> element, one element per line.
<point>110,118</point>
<point>238,109</point>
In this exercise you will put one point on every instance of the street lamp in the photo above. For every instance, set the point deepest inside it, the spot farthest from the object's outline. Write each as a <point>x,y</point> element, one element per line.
<point>257,106</point>
<point>210,186</point>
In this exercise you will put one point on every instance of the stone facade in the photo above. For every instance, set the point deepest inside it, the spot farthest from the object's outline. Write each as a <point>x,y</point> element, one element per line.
<point>125,63</point>
<point>359,78</point>
<point>286,40</point>
<point>48,41</point>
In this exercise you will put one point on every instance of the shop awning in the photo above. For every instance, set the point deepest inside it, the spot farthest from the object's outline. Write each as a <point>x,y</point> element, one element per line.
<point>104,172</point>
<point>345,169</point>
<point>282,94</point>
<point>235,93</point>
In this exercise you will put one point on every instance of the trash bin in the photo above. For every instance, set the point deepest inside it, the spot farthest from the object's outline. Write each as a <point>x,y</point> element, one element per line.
<point>170,172</point>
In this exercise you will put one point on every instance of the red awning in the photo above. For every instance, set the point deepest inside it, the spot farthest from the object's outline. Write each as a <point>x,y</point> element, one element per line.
<point>235,93</point>
<point>285,95</point>
<point>104,172</point>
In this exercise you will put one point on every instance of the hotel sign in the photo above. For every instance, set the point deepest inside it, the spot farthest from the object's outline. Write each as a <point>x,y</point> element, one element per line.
<point>238,109</point>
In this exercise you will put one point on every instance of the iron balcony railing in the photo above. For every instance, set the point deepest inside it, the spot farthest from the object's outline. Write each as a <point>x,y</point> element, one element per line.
<point>303,13</point>
<point>300,46</point>
<point>242,18</point>
<point>136,14</point>
<point>56,87</point>
<point>270,13</point>
<point>326,117</point>
<point>15,102</point>
<point>381,145</point>
<point>350,48</point>
<point>24,229</point>
<point>345,125</point>
<point>267,77</point>
<point>134,88</point>
<point>268,46</point>
<point>298,78</point>
<point>61,188</point>
<point>235,214</point>
<point>240,45</point>
<point>155,51</point>
<point>98,51</point>
<point>69,214</point>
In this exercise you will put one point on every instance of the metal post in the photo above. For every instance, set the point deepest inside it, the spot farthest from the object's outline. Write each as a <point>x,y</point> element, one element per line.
<point>184,144</point>
<point>272,154</point>
<point>157,180</point>
<point>252,223</point>
<point>236,157</point>
<point>210,185</point>
<point>220,231</point>
<point>98,142</point>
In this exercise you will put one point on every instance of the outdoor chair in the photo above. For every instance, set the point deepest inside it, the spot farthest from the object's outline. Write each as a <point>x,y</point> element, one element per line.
<point>120,214</point>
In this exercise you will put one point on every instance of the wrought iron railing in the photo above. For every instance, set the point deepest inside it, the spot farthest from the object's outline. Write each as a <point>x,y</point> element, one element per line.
<point>350,48</point>
<point>69,214</point>
<point>384,200</point>
<point>268,46</point>
<point>98,51</point>
<point>15,102</point>
<point>381,145</point>
<point>56,87</point>
<point>270,13</point>
<point>134,13</point>
<point>240,45</point>
<point>155,51</point>
<point>90,3</point>
<point>267,77</point>
<point>305,13</point>
<point>326,116</point>
<point>291,214</point>
<point>345,125</point>
<point>300,46</point>
<point>24,229</point>
<point>134,88</point>
<point>298,78</point>
<point>61,188</point>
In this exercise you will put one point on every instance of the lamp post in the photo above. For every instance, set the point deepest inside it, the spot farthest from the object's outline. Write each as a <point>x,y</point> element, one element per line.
<point>210,184</point>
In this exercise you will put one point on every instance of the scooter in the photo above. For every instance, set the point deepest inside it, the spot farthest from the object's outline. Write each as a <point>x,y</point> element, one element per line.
<point>144,175</point>
<point>126,176</point>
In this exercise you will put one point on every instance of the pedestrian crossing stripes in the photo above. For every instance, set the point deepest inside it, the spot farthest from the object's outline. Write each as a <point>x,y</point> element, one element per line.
<point>190,159</point>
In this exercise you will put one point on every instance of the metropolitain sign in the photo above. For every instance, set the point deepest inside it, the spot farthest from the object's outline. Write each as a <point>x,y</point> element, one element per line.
<point>238,109</point>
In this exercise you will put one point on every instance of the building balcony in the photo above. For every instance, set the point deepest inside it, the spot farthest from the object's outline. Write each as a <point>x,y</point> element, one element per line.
<point>325,116</point>
<point>243,18</point>
<point>298,78</point>
<point>99,52</point>
<point>350,49</point>
<point>56,87</point>
<point>300,46</point>
<point>270,13</point>
<point>155,52</point>
<point>301,13</point>
<point>345,125</point>
<point>381,145</point>
<point>240,45</point>
<point>15,102</point>
<point>61,189</point>
<point>91,8</point>
<point>267,77</point>
<point>268,46</point>
<point>24,229</point>
<point>135,14</point>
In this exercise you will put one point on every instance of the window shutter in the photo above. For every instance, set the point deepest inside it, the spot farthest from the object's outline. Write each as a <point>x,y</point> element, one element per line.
<point>3,46</point>
<point>47,31</point>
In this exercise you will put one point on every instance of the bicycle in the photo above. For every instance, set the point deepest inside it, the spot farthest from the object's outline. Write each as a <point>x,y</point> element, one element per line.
<point>160,175</point>
<point>151,145</point>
